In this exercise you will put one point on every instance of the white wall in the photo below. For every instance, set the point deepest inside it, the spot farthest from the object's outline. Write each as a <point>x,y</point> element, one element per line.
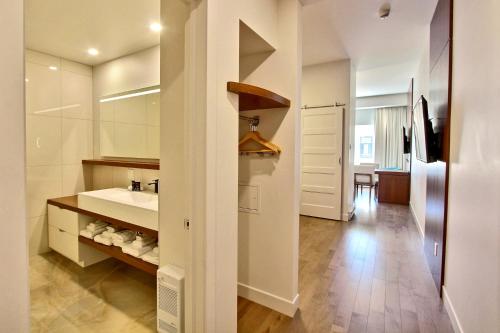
<point>14,302</point>
<point>382,101</point>
<point>326,84</point>
<point>472,271</point>
<point>385,80</point>
<point>216,140</point>
<point>131,72</point>
<point>58,136</point>
<point>268,241</point>
<point>365,116</point>
<point>418,192</point>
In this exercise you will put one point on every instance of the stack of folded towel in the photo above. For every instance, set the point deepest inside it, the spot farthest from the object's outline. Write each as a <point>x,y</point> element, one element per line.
<point>142,241</point>
<point>106,237</point>
<point>123,237</point>
<point>110,230</point>
<point>139,246</point>
<point>151,256</point>
<point>93,229</point>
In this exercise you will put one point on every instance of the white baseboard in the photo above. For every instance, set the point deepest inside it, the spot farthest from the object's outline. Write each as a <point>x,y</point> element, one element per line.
<point>451,312</point>
<point>417,222</point>
<point>269,300</point>
<point>347,216</point>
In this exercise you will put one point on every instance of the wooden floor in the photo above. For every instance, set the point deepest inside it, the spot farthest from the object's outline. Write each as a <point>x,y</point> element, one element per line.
<point>369,275</point>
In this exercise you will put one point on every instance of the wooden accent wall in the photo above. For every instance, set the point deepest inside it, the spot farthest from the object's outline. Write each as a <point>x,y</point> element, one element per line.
<point>439,110</point>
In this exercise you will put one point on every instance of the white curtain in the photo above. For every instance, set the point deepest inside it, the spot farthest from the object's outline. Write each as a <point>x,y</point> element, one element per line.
<point>389,124</point>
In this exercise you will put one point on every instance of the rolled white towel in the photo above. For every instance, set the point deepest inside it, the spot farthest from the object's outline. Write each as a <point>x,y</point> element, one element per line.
<point>86,233</point>
<point>107,234</point>
<point>141,237</point>
<point>93,226</point>
<point>120,244</point>
<point>151,257</point>
<point>135,252</point>
<point>103,240</point>
<point>97,222</point>
<point>113,229</point>
<point>138,244</point>
<point>90,234</point>
<point>124,236</point>
<point>155,249</point>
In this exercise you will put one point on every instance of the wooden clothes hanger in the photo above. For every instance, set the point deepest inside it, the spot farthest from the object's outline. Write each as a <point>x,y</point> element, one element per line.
<point>254,136</point>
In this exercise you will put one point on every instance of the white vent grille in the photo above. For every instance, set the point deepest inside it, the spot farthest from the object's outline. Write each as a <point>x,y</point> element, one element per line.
<point>168,300</point>
<point>163,325</point>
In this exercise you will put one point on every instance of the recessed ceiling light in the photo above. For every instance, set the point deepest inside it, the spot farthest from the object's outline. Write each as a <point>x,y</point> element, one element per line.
<point>155,26</point>
<point>53,68</point>
<point>92,51</point>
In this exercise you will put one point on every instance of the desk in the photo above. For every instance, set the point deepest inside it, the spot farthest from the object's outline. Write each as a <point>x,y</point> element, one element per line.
<point>393,186</point>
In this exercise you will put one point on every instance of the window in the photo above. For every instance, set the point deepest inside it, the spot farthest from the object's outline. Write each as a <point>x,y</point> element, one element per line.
<point>366,147</point>
<point>364,151</point>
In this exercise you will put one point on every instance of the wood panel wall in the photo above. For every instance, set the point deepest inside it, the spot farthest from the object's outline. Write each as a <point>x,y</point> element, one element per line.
<point>439,111</point>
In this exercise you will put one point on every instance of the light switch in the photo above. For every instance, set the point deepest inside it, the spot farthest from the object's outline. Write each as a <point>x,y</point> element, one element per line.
<point>249,198</point>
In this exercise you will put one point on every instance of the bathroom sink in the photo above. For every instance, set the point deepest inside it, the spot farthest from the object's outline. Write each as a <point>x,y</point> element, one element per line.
<point>139,208</point>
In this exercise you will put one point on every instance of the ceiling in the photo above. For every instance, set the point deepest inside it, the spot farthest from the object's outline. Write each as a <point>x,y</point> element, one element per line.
<point>67,28</point>
<point>385,53</point>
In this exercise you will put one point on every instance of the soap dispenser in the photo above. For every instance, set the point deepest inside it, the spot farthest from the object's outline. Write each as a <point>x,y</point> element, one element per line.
<point>135,181</point>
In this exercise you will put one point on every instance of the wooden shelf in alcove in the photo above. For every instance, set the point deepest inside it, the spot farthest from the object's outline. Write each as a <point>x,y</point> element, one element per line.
<point>256,98</point>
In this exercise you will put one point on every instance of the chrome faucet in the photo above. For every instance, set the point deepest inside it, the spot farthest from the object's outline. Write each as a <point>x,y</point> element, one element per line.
<point>156,183</point>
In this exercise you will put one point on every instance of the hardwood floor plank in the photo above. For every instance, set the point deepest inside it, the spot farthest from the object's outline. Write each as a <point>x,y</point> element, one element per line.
<point>377,302</point>
<point>392,308</point>
<point>358,323</point>
<point>376,322</point>
<point>409,322</point>
<point>368,275</point>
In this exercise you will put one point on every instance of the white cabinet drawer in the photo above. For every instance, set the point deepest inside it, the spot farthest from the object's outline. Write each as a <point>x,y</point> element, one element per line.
<point>64,243</point>
<point>67,220</point>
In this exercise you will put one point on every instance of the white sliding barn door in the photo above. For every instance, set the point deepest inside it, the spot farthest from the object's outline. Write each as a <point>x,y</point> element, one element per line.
<point>321,188</point>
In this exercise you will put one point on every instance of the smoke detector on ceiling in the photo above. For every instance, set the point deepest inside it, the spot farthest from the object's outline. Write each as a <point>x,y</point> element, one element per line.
<point>384,11</point>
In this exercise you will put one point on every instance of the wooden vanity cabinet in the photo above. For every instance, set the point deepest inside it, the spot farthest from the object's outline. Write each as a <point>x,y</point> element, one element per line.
<point>64,228</point>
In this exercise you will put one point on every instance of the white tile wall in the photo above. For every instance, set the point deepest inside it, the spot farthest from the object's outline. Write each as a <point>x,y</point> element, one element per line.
<point>43,89</point>
<point>43,182</point>
<point>43,140</point>
<point>58,136</point>
<point>76,140</point>
<point>106,177</point>
<point>38,231</point>
<point>75,179</point>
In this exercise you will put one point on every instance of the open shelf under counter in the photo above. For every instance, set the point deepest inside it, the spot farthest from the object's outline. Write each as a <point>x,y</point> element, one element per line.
<point>117,253</point>
<point>152,165</point>
<point>71,203</point>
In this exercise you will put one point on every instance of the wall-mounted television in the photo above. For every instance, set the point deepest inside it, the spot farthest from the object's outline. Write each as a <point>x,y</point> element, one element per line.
<point>406,142</point>
<point>425,138</point>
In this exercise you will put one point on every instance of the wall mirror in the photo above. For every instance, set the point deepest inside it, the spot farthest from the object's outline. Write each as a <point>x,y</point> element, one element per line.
<point>130,124</point>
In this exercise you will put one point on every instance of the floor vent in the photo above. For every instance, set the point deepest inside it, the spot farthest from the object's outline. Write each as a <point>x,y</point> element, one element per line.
<point>166,327</point>
<point>170,299</point>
